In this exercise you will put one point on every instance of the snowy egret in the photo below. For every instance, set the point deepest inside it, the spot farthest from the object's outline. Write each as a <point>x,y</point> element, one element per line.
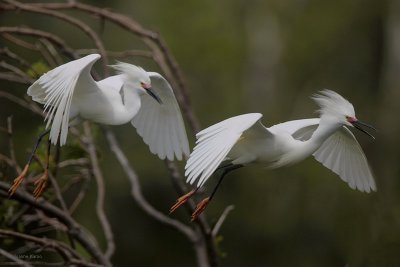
<point>242,140</point>
<point>145,99</point>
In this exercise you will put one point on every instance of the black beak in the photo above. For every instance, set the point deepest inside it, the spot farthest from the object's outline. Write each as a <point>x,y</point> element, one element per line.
<point>153,95</point>
<point>357,124</point>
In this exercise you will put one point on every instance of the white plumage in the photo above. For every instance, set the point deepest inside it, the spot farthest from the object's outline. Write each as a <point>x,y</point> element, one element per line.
<point>243,139</point>
<point>69,91</point>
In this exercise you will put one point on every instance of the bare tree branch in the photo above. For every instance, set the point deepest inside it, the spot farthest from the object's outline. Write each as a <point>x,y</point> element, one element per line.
<point>100,192</point>
<point>117,54</point>
<point>11,144</point>
<point>153,40</point>
<point>41,34</point>
<point>199,234</point>
<point>74,228</point>
<point>221,220</point>
<point>137,192</point>
<point>78,23</point>
<point>18,41</point>
<point>14,258</point>
<point>15,70</point>
<point>31,106</point>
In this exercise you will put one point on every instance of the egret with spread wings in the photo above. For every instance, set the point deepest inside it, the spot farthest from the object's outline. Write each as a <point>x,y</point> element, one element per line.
<point>242,140</point>
<point>145,99</point>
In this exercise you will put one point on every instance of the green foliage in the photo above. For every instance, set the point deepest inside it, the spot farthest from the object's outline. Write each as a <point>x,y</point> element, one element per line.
<point>37,69</point>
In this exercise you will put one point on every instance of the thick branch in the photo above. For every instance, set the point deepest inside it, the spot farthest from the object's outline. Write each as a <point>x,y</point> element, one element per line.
<point>51,210</point>
<point>14,258</point>
<point>137,192</point>
<point>100,192</point>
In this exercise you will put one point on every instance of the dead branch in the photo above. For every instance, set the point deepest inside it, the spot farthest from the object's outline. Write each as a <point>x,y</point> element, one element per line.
<point>100,191</point>
<point>78,23</point>
<point>11,144</point>
<point>14,258</point>
<point>41,34</point>
<point>74,228</point>
<point>161,53</point>
<point>221,220</point>
<point>201,235</point>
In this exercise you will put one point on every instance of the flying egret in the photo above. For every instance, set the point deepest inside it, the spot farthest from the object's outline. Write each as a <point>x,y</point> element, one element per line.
<point>145,99</point>
<point>244,140</point>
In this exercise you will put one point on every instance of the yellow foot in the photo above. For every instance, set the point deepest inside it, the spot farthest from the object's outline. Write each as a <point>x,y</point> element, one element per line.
<point>18,180</point>
<point>40,184</point>
<point>200,208</point>
<point>182,200</point>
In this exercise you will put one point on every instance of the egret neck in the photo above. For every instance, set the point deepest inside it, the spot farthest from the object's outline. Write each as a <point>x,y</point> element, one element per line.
<point>328,125</point>
<point>131,102</point>
<point>300,150</point>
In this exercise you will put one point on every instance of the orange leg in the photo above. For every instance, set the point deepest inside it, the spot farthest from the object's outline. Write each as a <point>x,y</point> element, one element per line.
<point>40,184</point>
<point>200,208</point>
<point>182,200</point>
<point>203,204</point>
<point>18,180</point>
<point>21,177</point>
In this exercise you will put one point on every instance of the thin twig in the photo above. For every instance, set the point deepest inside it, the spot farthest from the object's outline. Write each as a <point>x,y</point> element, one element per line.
<point>11,144</point>
<point>19,41</point>
<point>117,54</point>
<point>7,160</point>
<point>57,41</point>
<point>79,197</point>
<point>16,71</point>
<point>14,56</point>
<point>153,40</point>
<point>64,253</point>
<point>14,258</point>
<point>53,54</point>
<point>74,228</point>
<point>221,220</point>
<point>76,22</point>
<point>73,162</point>
<point>137,192</point>
<point>32,107</point>
<point>100,192</point>
<point>13,78</point>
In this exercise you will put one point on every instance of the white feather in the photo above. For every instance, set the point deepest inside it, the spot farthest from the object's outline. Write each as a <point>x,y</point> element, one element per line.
<point>55,90</point>
<point>154,120</point>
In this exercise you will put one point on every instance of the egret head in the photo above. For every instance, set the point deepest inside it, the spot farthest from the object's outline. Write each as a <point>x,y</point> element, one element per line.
<point>336,107</point>
<point>137,78</point>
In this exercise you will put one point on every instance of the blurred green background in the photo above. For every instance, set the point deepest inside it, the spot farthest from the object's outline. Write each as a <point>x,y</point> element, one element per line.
<point>255,56</point>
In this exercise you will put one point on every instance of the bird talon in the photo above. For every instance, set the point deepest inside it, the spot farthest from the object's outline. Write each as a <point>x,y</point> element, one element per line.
<point>200,208</point>
<point>18,180</point>
<point>40,184</point>
<point>181,200</point>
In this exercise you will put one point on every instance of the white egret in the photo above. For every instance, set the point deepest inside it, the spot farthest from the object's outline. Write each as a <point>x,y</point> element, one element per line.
<point>145,99</point>
<point>244,140</point>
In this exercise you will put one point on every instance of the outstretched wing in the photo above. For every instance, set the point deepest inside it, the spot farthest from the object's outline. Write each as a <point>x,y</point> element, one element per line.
<point>299,129</point>
<point>161,125</point>
<point>342,154</point>
<point>55,89</point>
<point>214,143</point>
